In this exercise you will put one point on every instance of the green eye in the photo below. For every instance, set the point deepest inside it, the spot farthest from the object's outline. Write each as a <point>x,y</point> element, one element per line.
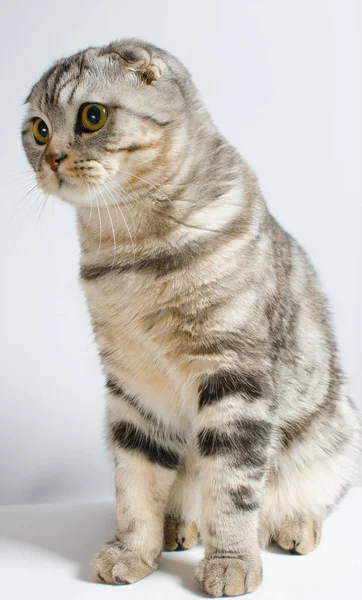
<point>41,131</point>
<point>94,116</point>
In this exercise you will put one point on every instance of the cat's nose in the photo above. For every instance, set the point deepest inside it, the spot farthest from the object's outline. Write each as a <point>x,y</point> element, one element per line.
<point>54,160</point>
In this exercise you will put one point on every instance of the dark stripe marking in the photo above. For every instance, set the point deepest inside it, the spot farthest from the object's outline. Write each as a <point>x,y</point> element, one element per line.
<point>88,272</point>
<point>141,116</point>
<point>225,383</point>
<point>131,148</point>
<point>51,93</point>
<point>45,81</point>
<point>242,497</point>
<point>82,67</point>
<point>295,431</point>
<point>116,389</point>
<point>127,436</point>
<point>61,87</point>
<point>247,440</point>
<point>157,265</point>
<point>165,263</point>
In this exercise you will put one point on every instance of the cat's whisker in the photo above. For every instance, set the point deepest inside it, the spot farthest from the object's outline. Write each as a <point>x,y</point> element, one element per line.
<point>30,191</point>
<point>158,186</point>
<point>23,185</point>
<point>100,228</point>
<point>18,173</point>
<point>22,201</point>
<point>116,188</point>
<point>112,227</point>
<point>41,211</point>
<point>91,206</point>
<point>142,163</point>
<point>44,208</point>
<point>35,202</point>
<point>22,174</point>
<point>126,224</point>
<point>22,177</point>
<point>124,202</point>
<point>151,185</point>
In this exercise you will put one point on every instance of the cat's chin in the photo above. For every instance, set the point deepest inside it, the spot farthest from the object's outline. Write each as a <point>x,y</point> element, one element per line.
<point>77,197</point>
<point>75,193</point>
<point>68,191</point>
<point>80,196</point>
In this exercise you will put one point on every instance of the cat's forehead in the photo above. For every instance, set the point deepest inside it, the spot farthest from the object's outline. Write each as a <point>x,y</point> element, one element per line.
<point>129,74</point>
<point>90,75</point>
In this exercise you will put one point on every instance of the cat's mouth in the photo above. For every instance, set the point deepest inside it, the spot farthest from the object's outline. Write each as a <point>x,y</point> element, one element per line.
<point>75,185</point>
<point>73,190</point>
<point>61,181</point>
<point>83,182</point>
<point>80,180</point>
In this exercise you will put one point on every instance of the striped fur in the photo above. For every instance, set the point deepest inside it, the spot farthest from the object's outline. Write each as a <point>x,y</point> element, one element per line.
<point>226,405</point>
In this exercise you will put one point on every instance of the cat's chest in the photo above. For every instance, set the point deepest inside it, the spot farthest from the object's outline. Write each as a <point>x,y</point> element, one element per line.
<point>129,305</point>
<point>135,329</point>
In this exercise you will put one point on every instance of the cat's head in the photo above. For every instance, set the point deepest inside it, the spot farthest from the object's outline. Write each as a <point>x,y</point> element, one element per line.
<point>105,116</point>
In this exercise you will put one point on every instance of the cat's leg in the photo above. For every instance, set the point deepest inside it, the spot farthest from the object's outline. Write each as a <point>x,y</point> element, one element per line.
<point>234,437</point>
<point>313,468</point>
<point>289,516</point>
<point>180,529</point>
<point>134,551</point>
<point>145,470</point>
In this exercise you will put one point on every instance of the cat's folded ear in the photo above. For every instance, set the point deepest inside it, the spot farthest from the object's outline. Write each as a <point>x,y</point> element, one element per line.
<point>138,59</point>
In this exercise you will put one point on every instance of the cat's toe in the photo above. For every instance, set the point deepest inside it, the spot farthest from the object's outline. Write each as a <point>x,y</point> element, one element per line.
<point>220,577</point>
<point>115,565</point>
<point>178,535</point>
<point>300,536</point>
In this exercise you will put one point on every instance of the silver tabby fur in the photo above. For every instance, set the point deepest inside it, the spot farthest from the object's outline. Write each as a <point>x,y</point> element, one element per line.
<point>227,413</point>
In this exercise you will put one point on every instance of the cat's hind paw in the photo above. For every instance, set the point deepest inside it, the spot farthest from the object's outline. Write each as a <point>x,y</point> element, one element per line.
<point>177,535</point>
<point>300,537</point>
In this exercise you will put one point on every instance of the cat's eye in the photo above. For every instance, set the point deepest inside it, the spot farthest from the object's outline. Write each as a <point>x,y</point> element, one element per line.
<point>93,117</point>
<point>40,131</point>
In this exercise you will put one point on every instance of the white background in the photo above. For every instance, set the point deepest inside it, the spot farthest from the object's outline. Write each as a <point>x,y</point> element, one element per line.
<point>282,80</point>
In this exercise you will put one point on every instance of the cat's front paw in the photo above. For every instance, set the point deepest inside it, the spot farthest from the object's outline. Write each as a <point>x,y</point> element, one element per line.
<point>117,565</point>
<point>229,576</point>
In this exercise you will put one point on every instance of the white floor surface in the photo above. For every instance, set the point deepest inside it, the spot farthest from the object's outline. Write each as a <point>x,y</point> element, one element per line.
<point>45,553</point>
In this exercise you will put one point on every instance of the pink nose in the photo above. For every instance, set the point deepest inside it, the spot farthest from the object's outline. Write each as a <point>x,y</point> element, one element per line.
<point>54,160</point>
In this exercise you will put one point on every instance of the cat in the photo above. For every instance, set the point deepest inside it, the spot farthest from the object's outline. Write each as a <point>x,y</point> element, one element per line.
<point>227,413</point>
